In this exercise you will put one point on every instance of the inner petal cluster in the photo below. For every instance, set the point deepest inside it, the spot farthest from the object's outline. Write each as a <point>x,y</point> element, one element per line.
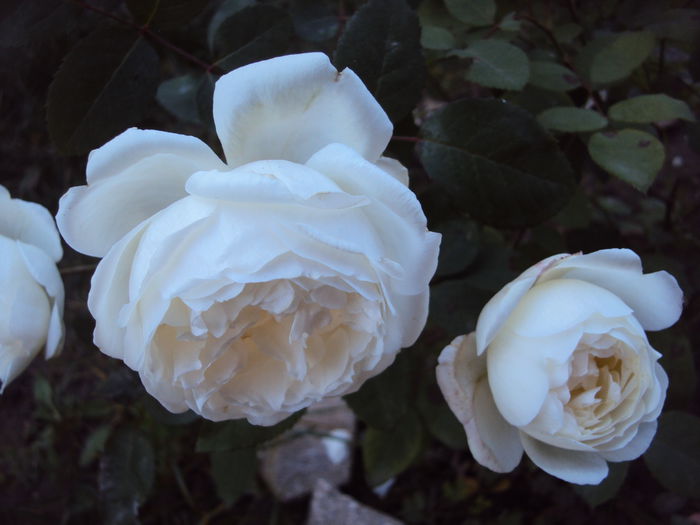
<point>279,345</point>
<point>606,392</point>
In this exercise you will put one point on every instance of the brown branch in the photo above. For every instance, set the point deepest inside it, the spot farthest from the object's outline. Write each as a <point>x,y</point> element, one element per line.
<point>148,33</point>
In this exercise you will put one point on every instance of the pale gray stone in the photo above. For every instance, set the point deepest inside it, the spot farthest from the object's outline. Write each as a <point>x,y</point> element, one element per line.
<point>328,506</point>
<point>319,446</point>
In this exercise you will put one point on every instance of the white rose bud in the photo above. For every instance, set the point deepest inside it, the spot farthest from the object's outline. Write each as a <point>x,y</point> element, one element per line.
<point>31,302</point>
<point>253,288</point>
<point>560,366</point>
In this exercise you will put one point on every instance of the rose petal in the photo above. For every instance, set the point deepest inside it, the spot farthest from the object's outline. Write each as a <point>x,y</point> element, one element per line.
<point>656,298</point>
<point>461,377</point>
<point>636,447</point>
<point>394,168</point>
<point>109,293</point>
<point>582,468</point>
<point>395,214</point>
<point>44,272</point>
<point>504,302</point>
<point>130,178</point>
<point>30,223</point>
<point>554,306</point>
<point>521,371</point>
<point>290,107</point>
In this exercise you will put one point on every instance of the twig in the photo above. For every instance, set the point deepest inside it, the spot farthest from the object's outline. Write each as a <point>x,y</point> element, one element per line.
<point>406,139</point>
<point>77,269</point>
<point>146,31</point>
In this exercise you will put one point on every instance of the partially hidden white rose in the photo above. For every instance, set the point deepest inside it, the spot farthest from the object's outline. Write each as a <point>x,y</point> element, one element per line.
<point>252,288</point>
<point>31,301</point>
<point>560,366</point>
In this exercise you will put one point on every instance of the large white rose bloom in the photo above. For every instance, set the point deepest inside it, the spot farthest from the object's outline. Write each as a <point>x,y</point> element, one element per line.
<point>253,288</point>
<point>560,366</point>
<point>31,301</point>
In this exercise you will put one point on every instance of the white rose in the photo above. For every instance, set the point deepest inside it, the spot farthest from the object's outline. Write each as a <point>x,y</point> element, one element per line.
<point>253,288</point>
<point>560,366</point>
<point>31,302</point>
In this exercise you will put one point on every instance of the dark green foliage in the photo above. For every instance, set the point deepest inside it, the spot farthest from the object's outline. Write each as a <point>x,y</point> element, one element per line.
<point>105,85</point>
<point>239,434</point>
<point>500,165</point>
<point>381,43</point>
<point>254,33</point>
<point>674,456</point>
<point>165,14</point>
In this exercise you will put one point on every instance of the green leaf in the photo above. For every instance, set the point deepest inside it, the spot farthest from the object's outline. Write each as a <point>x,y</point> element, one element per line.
<point>596,495</point>
<point>225,11</point>
<point>497,64</point>
<point>650,108</point>
<point>165,14</point>
<point>94,444</point>
<point>473,12</point>
<point>674,455</point>
<point>233,473</point>
<point>565,33</point>
<point>437,38</point>
<point>510,22</point>
<point>205,99</point>
<point>254,33</point>
<point>619,55</point>
<point>381,43</point>
<point>179,97</point>
<point>43,395</point>
<point>632,155</point>
<point>127,472</point>
<point>459,246</point>
<point>385,454</point>
<point>572,120</point>
<point>239,434</point>
<point>676,24</point>
<point>497,162</point>
<point>164,416</point>
<point>314,21</point>
<point>552,76</point>
<point>31,23</point>
<point>438,418</point>
<point>384,399</point>
<point>105,84</point>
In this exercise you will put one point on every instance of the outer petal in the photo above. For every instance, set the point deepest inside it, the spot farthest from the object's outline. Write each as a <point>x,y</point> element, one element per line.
<point>521,371</point>
<point>504,302</point>
<point>394,168</point>
<point>130,178</point>
<point>656,298</point>
<point>395,214</point>
<point>582,468</point>
<point>109,292</point>
<point>44,272</point>
<point>636,447</point>
<point>30,223</point>
<point>290,107</point>
<point>24,312</point>
<point>461,377</point>
<point>554,306</point>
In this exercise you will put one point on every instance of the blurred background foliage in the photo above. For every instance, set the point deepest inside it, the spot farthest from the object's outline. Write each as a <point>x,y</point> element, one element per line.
<point>529,128</point>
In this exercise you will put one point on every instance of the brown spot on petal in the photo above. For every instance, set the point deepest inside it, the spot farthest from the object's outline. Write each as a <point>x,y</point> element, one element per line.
<point>644,143</point>
<point>610,134</point>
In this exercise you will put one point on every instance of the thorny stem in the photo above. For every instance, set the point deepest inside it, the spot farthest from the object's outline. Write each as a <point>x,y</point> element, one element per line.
<point>401,138</point>
<point>77,269</point>
<point>146,31</point>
